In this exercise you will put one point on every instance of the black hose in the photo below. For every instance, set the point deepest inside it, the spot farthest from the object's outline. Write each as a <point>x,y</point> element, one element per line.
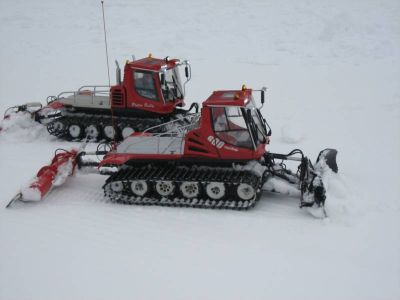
<point>61,150</point>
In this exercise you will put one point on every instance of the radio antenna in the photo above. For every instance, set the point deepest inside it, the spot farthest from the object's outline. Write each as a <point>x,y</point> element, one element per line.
<point>108,73</point>
<point>105,42</point>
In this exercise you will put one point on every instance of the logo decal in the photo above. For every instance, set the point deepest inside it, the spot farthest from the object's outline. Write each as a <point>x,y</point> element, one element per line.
<point>216,142</point>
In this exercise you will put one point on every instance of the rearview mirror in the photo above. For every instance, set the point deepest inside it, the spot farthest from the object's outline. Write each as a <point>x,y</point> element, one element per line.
<point>187,72</point>
<point>162,78</point>
<point>263,90</point>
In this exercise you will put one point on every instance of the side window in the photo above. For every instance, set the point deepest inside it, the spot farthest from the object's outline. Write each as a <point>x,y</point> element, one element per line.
<point>145,85</point>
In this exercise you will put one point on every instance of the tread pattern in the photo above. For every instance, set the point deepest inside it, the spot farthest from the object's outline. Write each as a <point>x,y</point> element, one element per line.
<point>178,174</point>
<point>84,120</point>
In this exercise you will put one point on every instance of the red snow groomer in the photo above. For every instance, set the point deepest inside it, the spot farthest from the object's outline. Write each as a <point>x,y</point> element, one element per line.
<point>217,160</point>
<point>150,93</point>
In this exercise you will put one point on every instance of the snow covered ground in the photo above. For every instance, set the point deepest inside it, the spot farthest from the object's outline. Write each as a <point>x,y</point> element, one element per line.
<point>333,70</point>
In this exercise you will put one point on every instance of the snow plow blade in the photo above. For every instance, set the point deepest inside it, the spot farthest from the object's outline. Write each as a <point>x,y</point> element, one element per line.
<point>308,179</point>
<point>314,191</point>
<point>54,174</point>
<point>329,156</point>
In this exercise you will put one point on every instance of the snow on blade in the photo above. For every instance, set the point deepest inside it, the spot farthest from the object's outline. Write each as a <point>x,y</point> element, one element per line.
<point>63,172</point>
<point>275,184</point>
<point>31,194</point>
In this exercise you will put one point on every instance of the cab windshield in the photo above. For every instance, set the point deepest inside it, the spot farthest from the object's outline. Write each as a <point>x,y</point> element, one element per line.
<point>230,126</point>
<point>172,86</point>
<point>238,126</point>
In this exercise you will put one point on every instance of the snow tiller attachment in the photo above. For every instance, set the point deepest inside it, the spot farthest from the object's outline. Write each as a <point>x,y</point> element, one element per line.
<point>218,159</point>
<point>28,108</point>
<point>54,174</point>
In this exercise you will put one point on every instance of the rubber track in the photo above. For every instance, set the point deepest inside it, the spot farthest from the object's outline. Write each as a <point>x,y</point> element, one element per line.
<point>230,177</point>
<point>139,124</point>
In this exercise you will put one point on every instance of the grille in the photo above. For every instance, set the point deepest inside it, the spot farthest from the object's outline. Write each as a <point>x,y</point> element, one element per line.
<point>117,98</point>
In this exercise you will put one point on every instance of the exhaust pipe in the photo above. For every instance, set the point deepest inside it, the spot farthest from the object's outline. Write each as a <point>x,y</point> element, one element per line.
<point>118,73</point>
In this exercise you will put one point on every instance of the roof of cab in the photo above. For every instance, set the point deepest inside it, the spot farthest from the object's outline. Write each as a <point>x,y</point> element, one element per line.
<point>153,64</point>
<point>229,98</point>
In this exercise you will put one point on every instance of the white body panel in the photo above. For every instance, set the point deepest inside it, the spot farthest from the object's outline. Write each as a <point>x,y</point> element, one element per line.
<point>152,145</point>
<point>87,101</point>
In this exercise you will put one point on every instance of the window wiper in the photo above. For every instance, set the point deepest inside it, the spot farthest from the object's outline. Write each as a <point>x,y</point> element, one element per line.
<point>264,137</point>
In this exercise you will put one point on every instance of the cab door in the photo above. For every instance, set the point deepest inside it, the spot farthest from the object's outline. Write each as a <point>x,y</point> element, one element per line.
<point>144,92</point>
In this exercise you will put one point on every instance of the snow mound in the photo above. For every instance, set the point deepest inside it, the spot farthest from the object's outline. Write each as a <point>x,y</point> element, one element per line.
<point>337,186</point>
<point>317,212</point>
<point>21,127</point>
<point>340,202</point>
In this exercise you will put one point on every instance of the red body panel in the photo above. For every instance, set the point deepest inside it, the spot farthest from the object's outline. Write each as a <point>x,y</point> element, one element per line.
<point>55,105</point>
<point>204,143</point>
<point>228,98</point>
<point>153,64</point>
<point>118,159</point>
<point>132,100</point>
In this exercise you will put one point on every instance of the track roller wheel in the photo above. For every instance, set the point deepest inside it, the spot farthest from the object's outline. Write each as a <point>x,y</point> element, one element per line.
<point>117,186</point>
<point>190,189</point>
<point>93,132</point>
<point>139,187</point>
<point>109,132</point>
<point>58,126</point>
<point>165,188</point>
<point>215,190</point>
<point>245,191</point>
<point>127,131</point>
<point>75,131</point>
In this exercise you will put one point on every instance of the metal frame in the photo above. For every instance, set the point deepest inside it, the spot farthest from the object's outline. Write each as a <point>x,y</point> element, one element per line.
<point>177,65</point>
<point>92,89</point>
<point>176,131</point>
